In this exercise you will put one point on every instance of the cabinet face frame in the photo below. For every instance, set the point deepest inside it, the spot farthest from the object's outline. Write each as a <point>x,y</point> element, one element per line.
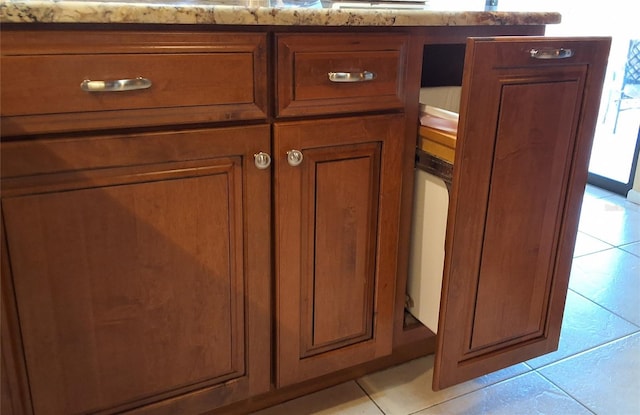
<point>492,67</point>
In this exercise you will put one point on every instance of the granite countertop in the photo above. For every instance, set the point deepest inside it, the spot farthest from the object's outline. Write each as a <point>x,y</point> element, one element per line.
<point>274,12</point>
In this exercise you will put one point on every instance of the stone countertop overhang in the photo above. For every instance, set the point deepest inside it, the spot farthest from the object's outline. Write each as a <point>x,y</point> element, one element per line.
<point>272,13</point>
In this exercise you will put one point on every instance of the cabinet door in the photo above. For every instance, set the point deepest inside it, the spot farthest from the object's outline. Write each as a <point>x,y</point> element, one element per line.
<point>336,242</point>
<point>140,283</point>
<point>528,116</point>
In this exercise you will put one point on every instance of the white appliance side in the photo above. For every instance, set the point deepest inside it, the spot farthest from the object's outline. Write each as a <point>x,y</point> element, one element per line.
<point>431,203</point>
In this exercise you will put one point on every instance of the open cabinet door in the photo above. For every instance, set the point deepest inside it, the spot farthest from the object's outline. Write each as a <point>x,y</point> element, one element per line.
<point>528,114</point>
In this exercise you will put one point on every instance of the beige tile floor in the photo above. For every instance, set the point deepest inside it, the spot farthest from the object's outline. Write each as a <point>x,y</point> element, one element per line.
<point>596,369</point>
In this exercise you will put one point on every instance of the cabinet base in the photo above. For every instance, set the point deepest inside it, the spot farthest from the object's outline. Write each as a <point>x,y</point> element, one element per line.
<point>400,355</point>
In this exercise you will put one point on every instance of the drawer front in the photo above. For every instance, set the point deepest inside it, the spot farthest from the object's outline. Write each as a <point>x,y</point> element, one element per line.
<point>193,78</point>
<point>368,73</point>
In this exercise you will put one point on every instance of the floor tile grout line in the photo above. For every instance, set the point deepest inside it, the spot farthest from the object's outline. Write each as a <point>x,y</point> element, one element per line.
<point>591,349</point>
<point>627,244</point>
<point>594,252</point>
<point>610,195</point>
<point>595,237</point>
<point>530,370</point>
<point>605,308</point>
<point>590,190</point>
<point>629,252</point>
<point>369,396</point>
<point>408,413</point>
<point>490,385</point>
<point>576,354</point>
<point>565,392</point>
<point>612,198</point>
<point>606,342</point>
<point>611,246</point>
<point>635,255</point>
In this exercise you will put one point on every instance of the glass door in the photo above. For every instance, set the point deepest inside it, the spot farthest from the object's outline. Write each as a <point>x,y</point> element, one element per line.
<point>615,150</point>
<point>614,157</point>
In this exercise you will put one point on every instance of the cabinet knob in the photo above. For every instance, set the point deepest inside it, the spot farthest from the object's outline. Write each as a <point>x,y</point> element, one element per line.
<point>262,160</point>
<point>294,157</point>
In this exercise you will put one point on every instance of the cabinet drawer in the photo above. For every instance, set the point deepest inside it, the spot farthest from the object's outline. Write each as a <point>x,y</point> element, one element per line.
<point>195,77</point>
<point>374,66</point>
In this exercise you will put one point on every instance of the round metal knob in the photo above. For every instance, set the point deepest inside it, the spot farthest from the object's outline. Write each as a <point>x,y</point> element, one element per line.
<point>294,157</point>
<point>262,160</point>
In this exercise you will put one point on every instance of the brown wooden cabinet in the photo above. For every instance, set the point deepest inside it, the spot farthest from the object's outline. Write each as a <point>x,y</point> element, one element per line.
<point>150,266</point>
<point>135,264</point>
<point>337,199</point>
<point>336,220</point>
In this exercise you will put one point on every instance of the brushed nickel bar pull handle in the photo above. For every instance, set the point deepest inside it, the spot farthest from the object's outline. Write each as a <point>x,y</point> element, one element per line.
<point>118,85</point>
<point>363,76</point>
<point>551,53</point>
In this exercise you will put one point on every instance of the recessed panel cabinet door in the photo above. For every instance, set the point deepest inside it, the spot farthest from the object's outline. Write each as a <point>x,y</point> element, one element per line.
<point>137,284</point>
<point>337,199</point>
<point>528,116</point>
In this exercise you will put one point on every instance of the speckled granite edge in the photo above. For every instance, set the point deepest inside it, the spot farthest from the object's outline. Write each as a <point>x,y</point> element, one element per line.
<point>180,13</point>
